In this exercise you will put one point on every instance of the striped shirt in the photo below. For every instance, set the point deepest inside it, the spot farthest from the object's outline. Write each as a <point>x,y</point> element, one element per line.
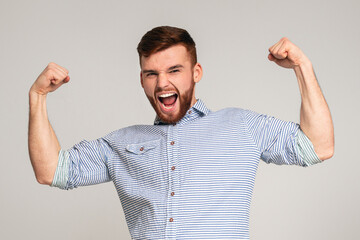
<point>190,180</point>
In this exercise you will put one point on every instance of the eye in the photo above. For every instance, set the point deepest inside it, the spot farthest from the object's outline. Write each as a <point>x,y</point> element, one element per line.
<point>174,71</point>
<point>151,74</point>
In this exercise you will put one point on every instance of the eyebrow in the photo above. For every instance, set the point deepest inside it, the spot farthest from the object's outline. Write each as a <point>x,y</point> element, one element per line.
<point>169,69</point>
<point>176,66</point>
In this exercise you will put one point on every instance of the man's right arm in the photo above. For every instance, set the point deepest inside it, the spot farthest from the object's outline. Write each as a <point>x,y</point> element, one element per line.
<point>43,144</point>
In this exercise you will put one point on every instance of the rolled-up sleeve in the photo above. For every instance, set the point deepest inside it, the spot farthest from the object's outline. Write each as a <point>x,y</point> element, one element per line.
<point>62,171</point>
<point>306,149</point>
<point>83,164</point>
<point>280,142</point>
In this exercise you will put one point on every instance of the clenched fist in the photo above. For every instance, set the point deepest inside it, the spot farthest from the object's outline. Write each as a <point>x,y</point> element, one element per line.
<point>50,79</point>
<point>286,54</point>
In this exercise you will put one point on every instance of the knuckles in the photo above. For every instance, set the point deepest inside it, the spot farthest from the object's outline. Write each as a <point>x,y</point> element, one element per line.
<point>54,66</point>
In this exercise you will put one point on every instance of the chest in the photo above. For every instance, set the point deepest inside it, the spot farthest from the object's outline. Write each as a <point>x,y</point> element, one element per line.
<point>197,154</point>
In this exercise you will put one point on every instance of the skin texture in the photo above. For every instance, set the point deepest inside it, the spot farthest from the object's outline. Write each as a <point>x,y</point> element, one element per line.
<point>315,117</point>
<point>43,144</point>
<point>159,75</point>
<point>171,71</point>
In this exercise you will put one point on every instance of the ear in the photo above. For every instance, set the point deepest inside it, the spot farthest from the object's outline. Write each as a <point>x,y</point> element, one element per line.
<point>198,72</point>
<point>141,80</point>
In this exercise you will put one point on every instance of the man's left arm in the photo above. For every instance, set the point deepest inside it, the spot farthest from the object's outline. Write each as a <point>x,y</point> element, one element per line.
<point>315,117</point>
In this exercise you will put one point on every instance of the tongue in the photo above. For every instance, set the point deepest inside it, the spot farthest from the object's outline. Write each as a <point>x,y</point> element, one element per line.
<point>169,100</point>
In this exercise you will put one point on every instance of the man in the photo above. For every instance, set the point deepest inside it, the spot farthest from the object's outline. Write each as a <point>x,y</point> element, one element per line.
<point>191,174</point>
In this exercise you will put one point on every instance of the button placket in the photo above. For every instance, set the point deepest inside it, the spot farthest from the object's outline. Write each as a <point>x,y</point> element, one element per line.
<point>174,145</point>
<point>172,161</point>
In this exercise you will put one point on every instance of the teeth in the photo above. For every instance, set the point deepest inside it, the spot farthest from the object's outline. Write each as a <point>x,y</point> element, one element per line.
<point>166,95</point>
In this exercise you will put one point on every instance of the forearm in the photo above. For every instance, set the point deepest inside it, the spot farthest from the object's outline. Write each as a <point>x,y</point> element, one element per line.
<point>43,144</point>
<point>315,117</point>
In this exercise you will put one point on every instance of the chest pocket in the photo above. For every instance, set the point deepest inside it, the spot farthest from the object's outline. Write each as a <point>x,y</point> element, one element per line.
<point>142,148</point>
<point>145,166</point>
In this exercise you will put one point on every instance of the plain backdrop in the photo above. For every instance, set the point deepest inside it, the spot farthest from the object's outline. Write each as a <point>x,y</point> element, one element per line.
<point>96,41</point>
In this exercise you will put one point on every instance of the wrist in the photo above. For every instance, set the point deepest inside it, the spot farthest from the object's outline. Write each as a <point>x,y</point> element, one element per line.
<point>304,68</point>
<point>35,97</point>
<point>305,63</point>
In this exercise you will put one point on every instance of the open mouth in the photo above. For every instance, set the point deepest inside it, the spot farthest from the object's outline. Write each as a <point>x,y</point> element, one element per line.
<point>168,100</point>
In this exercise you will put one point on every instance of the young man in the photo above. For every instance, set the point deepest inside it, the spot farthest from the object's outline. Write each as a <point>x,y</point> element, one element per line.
<point>191,174</point>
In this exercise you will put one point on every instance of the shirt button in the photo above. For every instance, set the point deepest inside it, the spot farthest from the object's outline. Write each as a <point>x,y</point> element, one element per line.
<point>172,142</point>
<point>171,220</point>
<point>189,112</point>
<point>173,168</point>
<point>142,149</point>
<point>172,194</point>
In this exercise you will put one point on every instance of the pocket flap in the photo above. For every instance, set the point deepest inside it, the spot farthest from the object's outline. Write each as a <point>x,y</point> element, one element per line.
<point>141,148</point>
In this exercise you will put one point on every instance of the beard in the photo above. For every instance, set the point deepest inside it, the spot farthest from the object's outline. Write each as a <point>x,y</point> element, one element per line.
<point>184,99</point>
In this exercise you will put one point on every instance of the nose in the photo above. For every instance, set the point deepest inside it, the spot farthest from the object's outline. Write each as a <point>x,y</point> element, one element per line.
<point>163,80</point>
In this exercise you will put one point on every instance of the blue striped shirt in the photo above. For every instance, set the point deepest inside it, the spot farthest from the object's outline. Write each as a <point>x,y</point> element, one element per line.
<point>191,180</point>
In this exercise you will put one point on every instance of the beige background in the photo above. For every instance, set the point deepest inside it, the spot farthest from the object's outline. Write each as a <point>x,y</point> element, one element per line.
<point>96,41</point>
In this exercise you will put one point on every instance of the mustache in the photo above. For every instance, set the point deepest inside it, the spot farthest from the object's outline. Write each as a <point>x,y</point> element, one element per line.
<point>159,89</point>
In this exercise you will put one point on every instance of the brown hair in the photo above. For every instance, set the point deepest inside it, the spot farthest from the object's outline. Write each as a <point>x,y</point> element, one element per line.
<point>161,38</point>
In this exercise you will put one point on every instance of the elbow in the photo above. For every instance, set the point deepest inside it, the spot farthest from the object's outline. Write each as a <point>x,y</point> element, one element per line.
<point>326,156</point>
<point>325,148</point>
<point>44,172</point>
<point>44,180</point>
<point>326,153</point>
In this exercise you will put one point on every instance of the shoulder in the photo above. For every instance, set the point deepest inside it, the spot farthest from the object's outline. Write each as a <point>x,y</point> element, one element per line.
<point>135,133</point>
<point>233,112</point>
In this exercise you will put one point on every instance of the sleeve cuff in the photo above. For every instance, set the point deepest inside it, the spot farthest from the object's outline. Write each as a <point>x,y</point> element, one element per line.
<point>306,149</point>
<point>62,171</point>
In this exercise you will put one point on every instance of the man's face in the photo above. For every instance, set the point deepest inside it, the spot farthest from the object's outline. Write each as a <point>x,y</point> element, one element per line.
<point>168,79</point>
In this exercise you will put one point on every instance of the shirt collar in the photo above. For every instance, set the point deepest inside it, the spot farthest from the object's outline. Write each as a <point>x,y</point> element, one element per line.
<point>198,110</point>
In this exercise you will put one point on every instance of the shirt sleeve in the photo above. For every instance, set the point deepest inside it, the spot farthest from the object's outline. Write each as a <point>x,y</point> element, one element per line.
<point>280,142</point>
<point>306,149</point>
<point>83,164</point>
<point>62,171</point>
